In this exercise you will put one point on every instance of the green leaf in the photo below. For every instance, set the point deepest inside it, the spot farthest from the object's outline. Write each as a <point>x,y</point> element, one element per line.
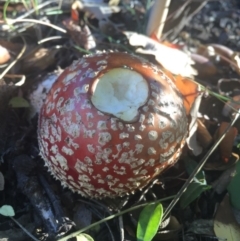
<point>190,166</point>
<point>233,188</point>
<point>84,237</point>
<point>7,210</point>
<point>194,190</point>
<point>18,102</point>
<point>149,221</point>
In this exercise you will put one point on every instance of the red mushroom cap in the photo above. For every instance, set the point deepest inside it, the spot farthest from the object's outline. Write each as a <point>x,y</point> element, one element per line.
<point>110,124</point>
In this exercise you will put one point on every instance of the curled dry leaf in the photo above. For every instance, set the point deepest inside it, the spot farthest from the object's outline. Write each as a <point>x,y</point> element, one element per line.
<point>203,136</point>
<point>226,145</point>
<point>81,35</point>
<point>174,60</point>
<point>4,55</point>
<point>77,29</point>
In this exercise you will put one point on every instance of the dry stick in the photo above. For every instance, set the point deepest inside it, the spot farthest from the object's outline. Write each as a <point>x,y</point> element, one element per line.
<point>158,17</point>
<point>199,167</point>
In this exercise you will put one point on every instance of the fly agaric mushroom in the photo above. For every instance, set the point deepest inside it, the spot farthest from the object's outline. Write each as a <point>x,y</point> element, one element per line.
<point>110,124</point>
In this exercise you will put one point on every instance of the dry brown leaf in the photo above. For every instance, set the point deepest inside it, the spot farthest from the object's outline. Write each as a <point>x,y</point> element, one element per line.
<point>172,59</point>
<point>221,50</point>
<point>224,54</point>
<point>203,135</point>
<point>77,29</point>
<point>226,145</point>
<point>203,65</point>
<point>225,224</point>
<point>81,35</point>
